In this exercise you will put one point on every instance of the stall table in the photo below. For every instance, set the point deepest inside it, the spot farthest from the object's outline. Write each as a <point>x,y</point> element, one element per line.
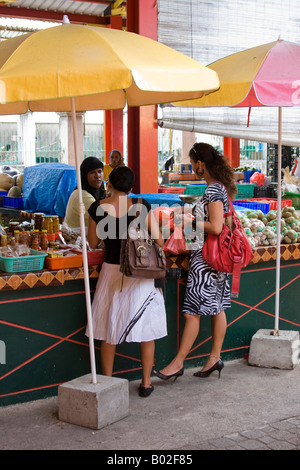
<point>43,322</point>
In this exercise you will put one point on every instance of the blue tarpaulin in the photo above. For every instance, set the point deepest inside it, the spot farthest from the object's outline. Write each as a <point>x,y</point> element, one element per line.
<point>47,187</point>
<point>159,199</point>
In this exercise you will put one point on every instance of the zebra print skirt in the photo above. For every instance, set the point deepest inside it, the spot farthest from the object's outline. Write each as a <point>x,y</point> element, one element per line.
<point>125,309</point>
<point>207,290</point>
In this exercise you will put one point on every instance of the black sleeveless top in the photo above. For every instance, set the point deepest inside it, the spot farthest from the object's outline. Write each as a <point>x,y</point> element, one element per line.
<point>112,229</point>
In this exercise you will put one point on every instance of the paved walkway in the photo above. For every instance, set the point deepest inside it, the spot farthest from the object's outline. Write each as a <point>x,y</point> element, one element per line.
<point>249,408</point>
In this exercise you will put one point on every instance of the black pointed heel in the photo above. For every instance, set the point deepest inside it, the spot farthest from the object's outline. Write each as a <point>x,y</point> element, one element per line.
<point>145,391</point>
<point>162,376</point>
<point>217,366</point>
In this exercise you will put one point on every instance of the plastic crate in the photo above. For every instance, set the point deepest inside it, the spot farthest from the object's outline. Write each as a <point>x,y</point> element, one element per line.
<point>13,202</point>
<point>245,190</point>
<point>264,191</point>
<point>95,257</point>
<point>295,198</point>
<point>197,189</point>
<point>32,262</point>
<point>171,189</point>
<point>265,205</point>
<point>64,262</point>
<point>2,194</point>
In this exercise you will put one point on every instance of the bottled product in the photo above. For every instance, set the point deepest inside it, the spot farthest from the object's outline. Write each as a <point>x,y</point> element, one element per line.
<point>3,240</point>
<point>17,236</point>
<point>44,240</point>
<point>38,221</point>
<point>55,219</point>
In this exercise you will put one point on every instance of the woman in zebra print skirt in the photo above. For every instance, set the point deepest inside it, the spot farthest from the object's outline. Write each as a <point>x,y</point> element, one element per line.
<point>207,291</point>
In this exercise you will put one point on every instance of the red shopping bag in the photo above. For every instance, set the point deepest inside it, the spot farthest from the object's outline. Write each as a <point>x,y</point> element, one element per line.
<point>164,217</point>
<point>176,244</point>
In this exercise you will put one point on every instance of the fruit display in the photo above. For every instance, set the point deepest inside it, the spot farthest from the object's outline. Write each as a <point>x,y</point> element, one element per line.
<point>261,229</point>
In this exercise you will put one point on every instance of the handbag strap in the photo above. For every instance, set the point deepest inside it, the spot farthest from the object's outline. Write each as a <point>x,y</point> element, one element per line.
<point>232,211</point>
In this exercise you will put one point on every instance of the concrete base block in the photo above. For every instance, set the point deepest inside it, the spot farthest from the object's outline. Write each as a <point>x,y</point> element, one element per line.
<point>93,405</point>
<point>281,352</point>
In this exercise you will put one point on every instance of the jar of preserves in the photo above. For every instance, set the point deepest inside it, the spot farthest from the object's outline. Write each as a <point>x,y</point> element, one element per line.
<point>3,240</point>
<point>38,220</point>
<point>55,219</point>
<point>35,242</point>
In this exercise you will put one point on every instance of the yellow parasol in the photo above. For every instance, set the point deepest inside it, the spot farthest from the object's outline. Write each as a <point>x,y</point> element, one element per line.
<point>78,68</point>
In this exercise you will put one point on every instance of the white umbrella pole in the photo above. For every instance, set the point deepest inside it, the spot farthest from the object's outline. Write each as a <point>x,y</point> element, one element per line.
<point>84,250</point>
<point>278,224</point>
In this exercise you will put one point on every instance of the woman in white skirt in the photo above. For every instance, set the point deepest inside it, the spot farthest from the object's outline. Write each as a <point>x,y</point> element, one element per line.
<point>123,308</point>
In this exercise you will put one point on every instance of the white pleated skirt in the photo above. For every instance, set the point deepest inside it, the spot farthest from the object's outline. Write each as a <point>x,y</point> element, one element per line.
<point>126,309</point>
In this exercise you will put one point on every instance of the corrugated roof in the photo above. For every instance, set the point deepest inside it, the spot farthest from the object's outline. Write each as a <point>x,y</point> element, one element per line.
<point>64,6</point>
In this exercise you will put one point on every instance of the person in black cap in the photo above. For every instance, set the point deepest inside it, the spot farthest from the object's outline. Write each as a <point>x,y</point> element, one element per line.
<point>91,173</point>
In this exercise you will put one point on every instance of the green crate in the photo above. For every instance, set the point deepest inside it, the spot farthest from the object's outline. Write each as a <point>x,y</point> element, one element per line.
<point>295,198</point>
<point>197,189</point>
<point>32,262</point>
<point>245,190</point>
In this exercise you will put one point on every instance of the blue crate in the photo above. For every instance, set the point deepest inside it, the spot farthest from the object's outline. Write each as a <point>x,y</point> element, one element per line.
<point>13,202</point>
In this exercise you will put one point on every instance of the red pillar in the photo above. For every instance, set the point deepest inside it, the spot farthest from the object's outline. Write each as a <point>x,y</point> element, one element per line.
<point>142,127</point>
<point>113,120</point>
<point>231,148</point>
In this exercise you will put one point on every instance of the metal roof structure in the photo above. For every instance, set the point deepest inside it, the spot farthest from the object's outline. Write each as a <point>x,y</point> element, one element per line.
<point>86,11</point>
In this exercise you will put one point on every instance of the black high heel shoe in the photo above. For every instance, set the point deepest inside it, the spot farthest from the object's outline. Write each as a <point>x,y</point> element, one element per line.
<point>217,366</point>
<point>145,391</point>
<point>162,376</point>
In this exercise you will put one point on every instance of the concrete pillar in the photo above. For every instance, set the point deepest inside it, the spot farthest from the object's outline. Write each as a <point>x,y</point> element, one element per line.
<point>188,140</point>
<point>63,137</point>
<point>26,135</point>
<point>68,128</point>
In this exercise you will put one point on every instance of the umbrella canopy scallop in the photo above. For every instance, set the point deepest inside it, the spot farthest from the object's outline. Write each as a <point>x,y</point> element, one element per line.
<point>266,75</point>
<point>103,68</point>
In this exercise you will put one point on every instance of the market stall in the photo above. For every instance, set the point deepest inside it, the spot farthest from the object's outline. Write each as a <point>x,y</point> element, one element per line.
<point>43,318</point>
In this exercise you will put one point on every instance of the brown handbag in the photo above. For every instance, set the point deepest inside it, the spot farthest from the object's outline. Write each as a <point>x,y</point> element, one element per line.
<point>142,257</point>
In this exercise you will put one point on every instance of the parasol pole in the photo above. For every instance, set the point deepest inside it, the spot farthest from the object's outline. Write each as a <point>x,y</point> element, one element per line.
<point>278,224</point>
<point>84,250</point>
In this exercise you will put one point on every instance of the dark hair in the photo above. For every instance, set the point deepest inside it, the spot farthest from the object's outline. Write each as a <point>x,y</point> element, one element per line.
<point>122,178</point>
<point>216,164</point>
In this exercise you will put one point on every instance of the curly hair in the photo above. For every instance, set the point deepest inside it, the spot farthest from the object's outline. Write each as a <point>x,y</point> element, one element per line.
<point>216,164</point>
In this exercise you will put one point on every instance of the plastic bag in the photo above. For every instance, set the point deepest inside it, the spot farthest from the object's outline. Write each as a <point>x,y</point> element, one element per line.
<point>258,178</point>
<point>164,217</point>
<point>176,244</point>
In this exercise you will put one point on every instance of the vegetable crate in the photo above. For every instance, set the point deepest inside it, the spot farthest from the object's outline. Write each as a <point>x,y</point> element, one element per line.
<point>197,189</point>
<point>32,262</point>
<point>265,205</point>
<point>2,194</point>
<point>295,198</point>
<point>176,189</point>
<point>13,202</point>
<point>245,190</point>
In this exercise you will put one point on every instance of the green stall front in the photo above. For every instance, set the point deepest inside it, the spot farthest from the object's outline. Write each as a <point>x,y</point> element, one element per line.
<point>43,323</point>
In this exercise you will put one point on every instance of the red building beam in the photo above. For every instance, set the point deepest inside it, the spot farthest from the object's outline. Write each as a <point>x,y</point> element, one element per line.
<point>142,128</point>
<point>231,148</point>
